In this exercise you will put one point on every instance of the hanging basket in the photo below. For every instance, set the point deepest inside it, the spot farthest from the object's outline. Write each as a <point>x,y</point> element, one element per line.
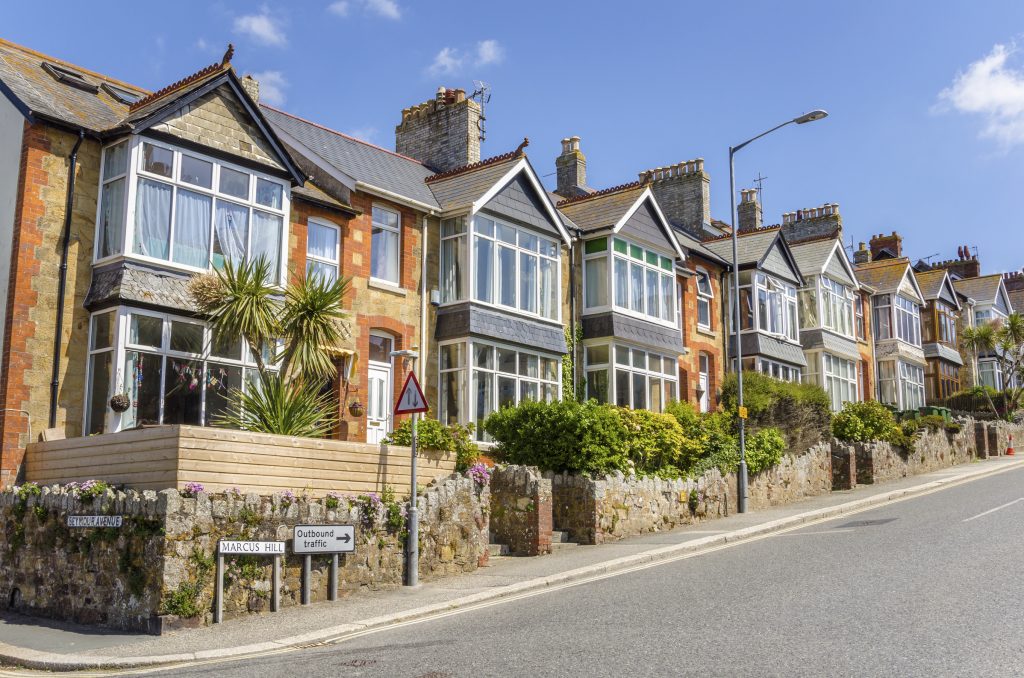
<point>120,402</point>
<point>356,409</point>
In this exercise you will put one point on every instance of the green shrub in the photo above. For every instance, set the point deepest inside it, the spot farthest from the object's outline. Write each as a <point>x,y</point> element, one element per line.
<point>764,449</point>
<point>803,412</point>
<point>654,442</point>
<point>868,420</point>
<point>433,435</point>
<point>932,422</point>
<point>709,440</point>
<point>561,436</point>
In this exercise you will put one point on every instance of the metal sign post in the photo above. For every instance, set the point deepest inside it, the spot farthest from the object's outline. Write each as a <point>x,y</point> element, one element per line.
<point>412,401</point>
<point>246,548</point>
<point>322,539</point>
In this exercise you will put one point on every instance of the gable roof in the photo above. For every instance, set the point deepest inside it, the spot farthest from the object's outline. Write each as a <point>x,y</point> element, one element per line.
<point>38,94</point>
<point>754,247</point>
<point>613,207</point>
<point>984,289</point>
<point>887,275</point>
<point>932,282</point>
<point>697,248</point>
<point>814,256</point>
<point>1016,300</point>
<point>360,164</point>
<point>462,187</point>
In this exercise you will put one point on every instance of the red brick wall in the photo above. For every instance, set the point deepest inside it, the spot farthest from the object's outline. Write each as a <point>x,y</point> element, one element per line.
<point>701,340</point>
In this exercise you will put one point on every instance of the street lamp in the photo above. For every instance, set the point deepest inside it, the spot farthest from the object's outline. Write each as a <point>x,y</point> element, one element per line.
<point>412,574</point>
<point>741,496</point>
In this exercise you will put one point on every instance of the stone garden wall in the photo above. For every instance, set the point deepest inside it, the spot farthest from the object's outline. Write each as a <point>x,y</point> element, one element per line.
<point>159,566</point>
<point>794,478</point>
<point>521,510</point>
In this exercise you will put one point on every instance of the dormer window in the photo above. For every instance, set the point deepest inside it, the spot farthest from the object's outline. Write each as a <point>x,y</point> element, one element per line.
<point>69,77</point>
<point>120,94</point>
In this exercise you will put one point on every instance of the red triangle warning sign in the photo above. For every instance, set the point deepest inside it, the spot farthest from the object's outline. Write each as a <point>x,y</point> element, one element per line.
<point>411,399</point>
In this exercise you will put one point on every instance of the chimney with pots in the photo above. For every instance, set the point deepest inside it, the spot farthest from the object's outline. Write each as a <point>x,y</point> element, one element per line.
<point>862,255</point>
<point>892,242</point>
<point>251,86</point>
<point>813,223</point>
<point>683,191</point>
<point>443,133</point>
<point>571,167</point>
<point>748,212</point>
<point>1013,281</point>
<point>966,264</point>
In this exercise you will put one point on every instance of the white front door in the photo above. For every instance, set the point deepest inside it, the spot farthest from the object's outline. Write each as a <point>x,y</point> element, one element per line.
<point>705,379</point>
<point>378,406</point>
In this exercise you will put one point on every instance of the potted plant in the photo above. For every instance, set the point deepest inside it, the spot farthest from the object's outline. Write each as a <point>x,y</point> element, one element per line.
<point>356,409</point>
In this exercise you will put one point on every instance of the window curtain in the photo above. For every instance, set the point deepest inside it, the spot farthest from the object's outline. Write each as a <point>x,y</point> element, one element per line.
<point>484,269</point>
<point>231,232</point>
<point>385,254</point>
<point>548,289</point>
<point>192,229</point>
<point>266,241</point>
<point>322,242</point>
<point>152,219</point>
<point>112,217</point>
<point>451,269</point>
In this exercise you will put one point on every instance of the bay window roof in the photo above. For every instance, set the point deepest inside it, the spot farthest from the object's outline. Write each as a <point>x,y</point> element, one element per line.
<point>889,276</point>
<point>765,249</point>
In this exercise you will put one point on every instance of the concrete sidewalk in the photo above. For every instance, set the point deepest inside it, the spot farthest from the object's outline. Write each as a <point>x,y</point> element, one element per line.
<point>41,644</point>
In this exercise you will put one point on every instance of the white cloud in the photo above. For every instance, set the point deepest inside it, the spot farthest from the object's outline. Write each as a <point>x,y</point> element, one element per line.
<point>993,89</point>
<point>363,133</point>
<point>202,45</point>
<point>272,87</point>
<point>447,61</point>
<point>489,52</point>
<point>340,8</point>
<point>263,28</point>
<point>386,8</point>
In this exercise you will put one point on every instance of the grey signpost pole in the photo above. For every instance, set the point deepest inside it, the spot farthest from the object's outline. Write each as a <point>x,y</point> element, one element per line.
<point>741,479</point>
<point>332,592</point>
<point>307,576</point>
<point>412,575</point>
<point>218,591</point>
<point>275,595</point>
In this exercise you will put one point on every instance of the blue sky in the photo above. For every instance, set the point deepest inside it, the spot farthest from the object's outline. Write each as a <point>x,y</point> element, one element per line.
<point>926,100</point>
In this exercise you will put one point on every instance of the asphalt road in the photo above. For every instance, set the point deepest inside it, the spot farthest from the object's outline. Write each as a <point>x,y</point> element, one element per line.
<point>923,587</point>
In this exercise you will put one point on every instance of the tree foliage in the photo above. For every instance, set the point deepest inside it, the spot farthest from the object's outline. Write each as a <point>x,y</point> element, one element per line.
<point>1003,341</point>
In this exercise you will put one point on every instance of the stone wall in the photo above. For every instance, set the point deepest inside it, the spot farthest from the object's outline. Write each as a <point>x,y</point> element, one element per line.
<point>595,511</point>
<point>521,510</point>
<point>794,478</point>
<point>159,566</point>
<point>879,461</point>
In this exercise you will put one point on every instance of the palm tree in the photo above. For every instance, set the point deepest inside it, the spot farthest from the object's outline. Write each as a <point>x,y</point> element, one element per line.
<point>1005,340</point>
<point>290,336</point>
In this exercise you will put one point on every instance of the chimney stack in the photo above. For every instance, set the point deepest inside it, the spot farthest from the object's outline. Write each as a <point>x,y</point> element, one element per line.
<point>812,223</point>
<point>748,212</point>
<point>862,255</point>
<point>251,86</point>
<point>1014,281</point>
<point>966,265</point>
<point>893,243</point>
<point>571,167</point>
<point>683,191</point>
<point>443,133</point>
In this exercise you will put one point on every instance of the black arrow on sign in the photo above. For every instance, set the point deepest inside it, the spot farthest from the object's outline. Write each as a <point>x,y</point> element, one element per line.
<point>345,538</point>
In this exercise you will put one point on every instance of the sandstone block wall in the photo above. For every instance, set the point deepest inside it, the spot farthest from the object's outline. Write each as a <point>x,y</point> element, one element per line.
<point>795,477</point>
<point>521,510</point>
<point>160,563</point>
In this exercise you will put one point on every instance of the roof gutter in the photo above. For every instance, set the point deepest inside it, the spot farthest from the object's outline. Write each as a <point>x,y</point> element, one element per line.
<point>62,279</point>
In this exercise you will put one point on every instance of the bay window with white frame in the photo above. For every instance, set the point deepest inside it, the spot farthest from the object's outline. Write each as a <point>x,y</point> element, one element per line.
<point>165,204</point>
<point>767,305</point>
<point>630,376</point>
<point>628,278</point>
<point>837,302</point>
<point>478,377</point>
<point>172,368</point>
<point>897,317</point>
<point>500,264</point>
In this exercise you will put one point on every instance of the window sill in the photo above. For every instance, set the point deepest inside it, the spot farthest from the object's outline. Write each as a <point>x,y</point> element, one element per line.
<point>386,287</point>
<point>707,332</point>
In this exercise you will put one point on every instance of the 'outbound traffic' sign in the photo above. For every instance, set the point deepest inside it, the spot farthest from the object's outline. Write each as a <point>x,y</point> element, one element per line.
<point>324,539</point>
<point>251,548</point>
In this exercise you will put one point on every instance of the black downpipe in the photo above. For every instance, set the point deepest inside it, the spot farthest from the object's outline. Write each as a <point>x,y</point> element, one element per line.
<point>62,279</point>
<point>572,308</point>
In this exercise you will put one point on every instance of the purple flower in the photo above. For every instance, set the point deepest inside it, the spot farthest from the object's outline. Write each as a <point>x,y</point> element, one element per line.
<point>192,489</point>
<point>479,473</point>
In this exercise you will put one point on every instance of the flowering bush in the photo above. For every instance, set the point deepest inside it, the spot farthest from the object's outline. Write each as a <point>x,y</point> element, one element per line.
<point>90,489</point>
<point>192,489</point>
<point>479,473</point>
<point>287,498</point>
<point>235,492</point>
<point>382,511</point>
<point>333,500</point>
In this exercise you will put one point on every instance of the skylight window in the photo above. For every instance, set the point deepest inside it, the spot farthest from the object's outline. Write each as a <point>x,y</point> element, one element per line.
<point>124,96</point>
<point>69,77</point>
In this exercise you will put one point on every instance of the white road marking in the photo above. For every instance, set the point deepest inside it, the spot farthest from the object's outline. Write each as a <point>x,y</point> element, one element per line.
<point>804,534</point>
<point>1009,503</point>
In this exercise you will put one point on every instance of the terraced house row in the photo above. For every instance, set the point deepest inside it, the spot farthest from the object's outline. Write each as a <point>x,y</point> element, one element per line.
<point>112,196</point>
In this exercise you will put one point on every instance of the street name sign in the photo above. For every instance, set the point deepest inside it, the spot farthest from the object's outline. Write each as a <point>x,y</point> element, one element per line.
<point>411,399</point>
<point>95,521</point>
<point>251,548</point>
<point>311,539</point>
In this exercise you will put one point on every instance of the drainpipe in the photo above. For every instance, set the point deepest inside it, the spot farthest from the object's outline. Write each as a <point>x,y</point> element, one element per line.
<point>572,308</point>
<point>62,278</point>
<point>424,299</point>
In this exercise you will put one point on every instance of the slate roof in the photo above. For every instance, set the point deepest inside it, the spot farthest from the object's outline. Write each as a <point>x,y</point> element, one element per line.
<point>138,284</point>
<point>752,246</point>
<point>757,344</point>
<point>633,330</point>
<point>364,162</point>
<point>603,209</point>
<point>22,74</point>
<point>811,256</point>
<point>983,289</point>
<point>944,352</point>
<point>463,187</point>
<point>885,276</point>
<point>473,319</point>
<point>696,247</point>
<point>930,282</point>
<point>1017,300</point>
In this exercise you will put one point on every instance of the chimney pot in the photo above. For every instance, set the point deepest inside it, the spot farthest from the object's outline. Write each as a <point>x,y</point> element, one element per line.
<point>571,169</point>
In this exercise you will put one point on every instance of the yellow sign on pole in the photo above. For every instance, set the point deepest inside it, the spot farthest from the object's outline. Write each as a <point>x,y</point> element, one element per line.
<point>743,412</point>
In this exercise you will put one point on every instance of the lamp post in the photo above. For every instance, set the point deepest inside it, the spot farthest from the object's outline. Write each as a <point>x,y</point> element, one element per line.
<point>741,492</point>
<point>412,547</point>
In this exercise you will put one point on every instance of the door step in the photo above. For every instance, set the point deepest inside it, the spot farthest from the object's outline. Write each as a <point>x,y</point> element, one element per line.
<point>497,550</point>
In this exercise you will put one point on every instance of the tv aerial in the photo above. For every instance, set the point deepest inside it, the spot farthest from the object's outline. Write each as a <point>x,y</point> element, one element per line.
<point>482,95</point>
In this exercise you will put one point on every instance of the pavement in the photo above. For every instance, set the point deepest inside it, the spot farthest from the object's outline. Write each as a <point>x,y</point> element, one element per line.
<point>31,643</point>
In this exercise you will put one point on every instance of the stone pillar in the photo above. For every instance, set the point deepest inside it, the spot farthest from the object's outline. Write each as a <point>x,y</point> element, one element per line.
<point>981,439</point>
<point>521,510</point>
<point>844,467</point>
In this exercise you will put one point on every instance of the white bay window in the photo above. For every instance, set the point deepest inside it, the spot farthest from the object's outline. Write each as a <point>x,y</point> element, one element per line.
<point>837,307</point>
<point>641,281</point>
<point>631,377</point>
<point>162,203</point>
